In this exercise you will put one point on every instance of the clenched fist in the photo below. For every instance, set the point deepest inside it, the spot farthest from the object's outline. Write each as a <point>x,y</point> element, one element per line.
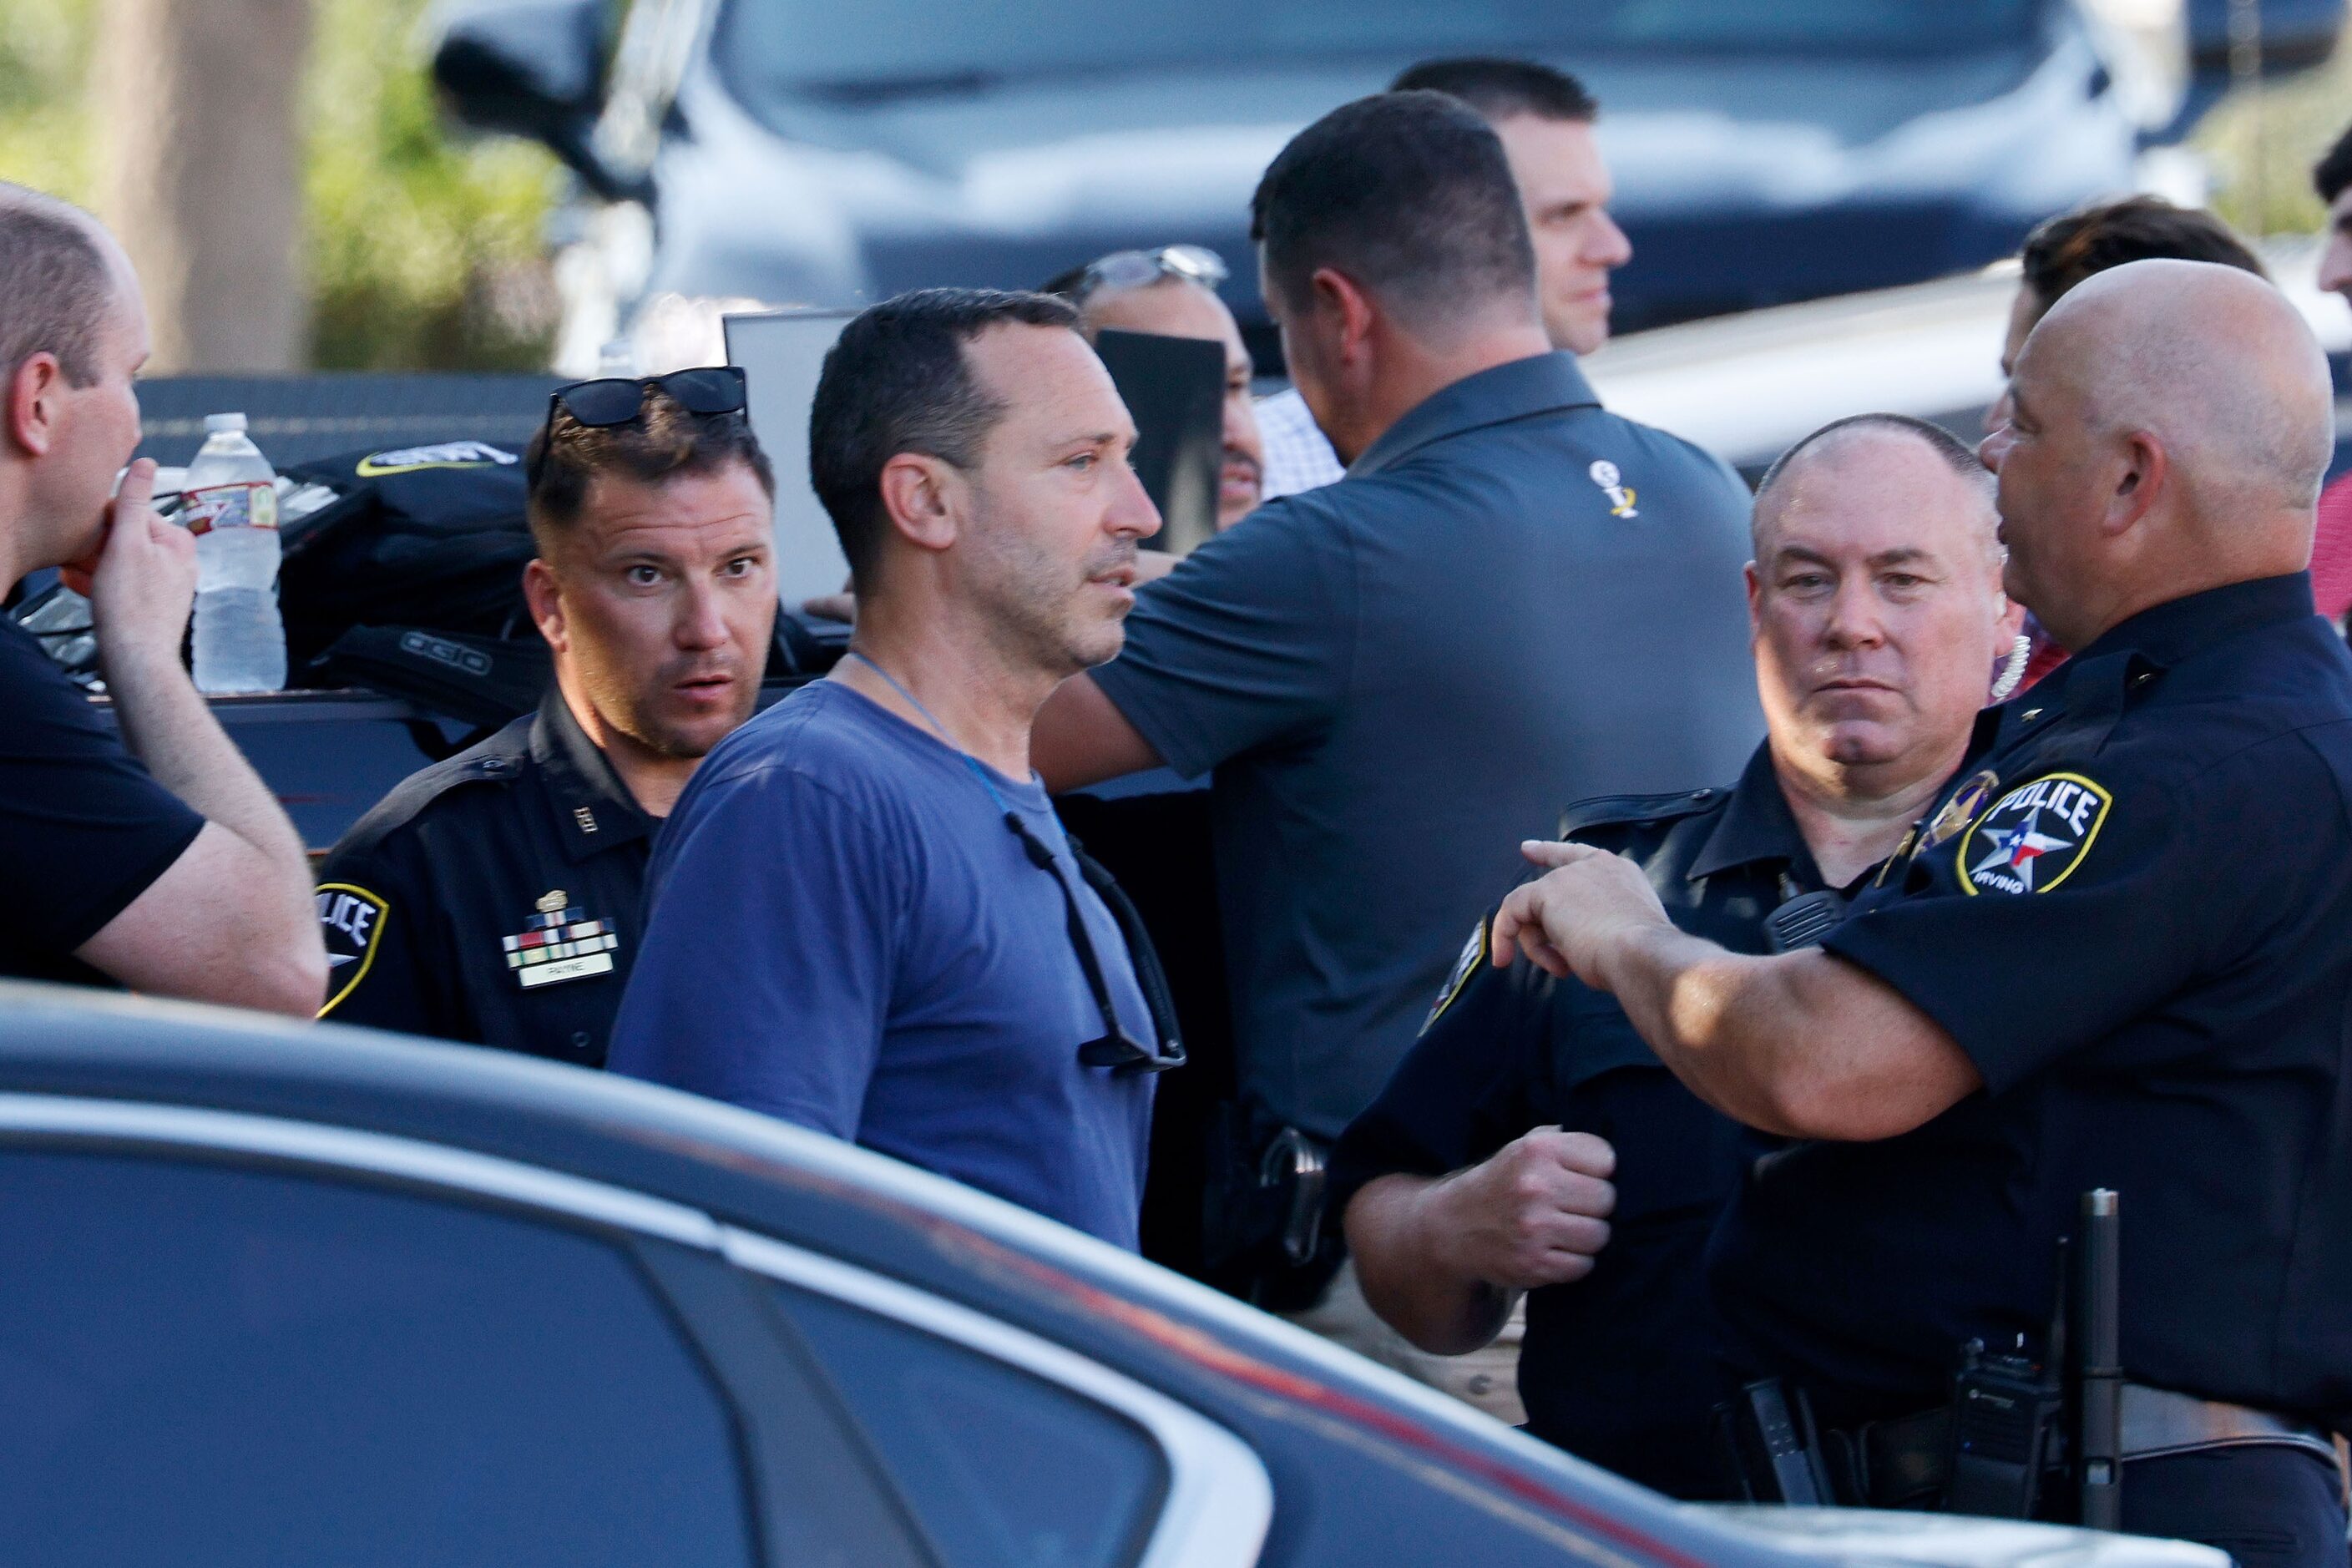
<point>1534,1213</point>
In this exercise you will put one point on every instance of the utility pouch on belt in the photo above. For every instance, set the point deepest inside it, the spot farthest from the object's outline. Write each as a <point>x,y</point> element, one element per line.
<point>1769,1449</point>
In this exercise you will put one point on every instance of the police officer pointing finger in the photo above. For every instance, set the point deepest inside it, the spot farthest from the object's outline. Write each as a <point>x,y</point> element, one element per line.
<point>1530,1141</point>
<point>2116,953</point>
<point>494,898</point>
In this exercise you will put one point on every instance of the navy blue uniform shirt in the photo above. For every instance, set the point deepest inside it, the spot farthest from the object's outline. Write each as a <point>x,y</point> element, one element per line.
<point>2134,913</point>
<point>84,827</point>
<point>841,932</point>
<point>493,898</point>
<point>1514,599</point>
<point>1618,1367</point>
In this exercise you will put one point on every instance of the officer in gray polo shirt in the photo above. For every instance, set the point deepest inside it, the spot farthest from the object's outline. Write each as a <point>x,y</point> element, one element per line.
<point>1514,600</point>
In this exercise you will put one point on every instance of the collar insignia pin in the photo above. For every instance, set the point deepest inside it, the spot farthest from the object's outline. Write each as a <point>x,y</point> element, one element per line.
<point>1605,474</point>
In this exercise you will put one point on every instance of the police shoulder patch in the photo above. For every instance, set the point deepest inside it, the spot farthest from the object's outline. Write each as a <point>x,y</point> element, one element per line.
<point>1474,952</point>
<point>2034,837</point>
<point>352,918</point>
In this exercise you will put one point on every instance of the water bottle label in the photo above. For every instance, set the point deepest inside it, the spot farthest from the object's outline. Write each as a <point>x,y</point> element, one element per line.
<point>229,506</point>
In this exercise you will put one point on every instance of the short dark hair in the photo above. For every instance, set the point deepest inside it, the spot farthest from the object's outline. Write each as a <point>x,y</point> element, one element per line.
<point>665,441</point>
<point>2333,172</point>
<point>1409,195</point>
<point>1499,88</point>
<point>56,290</point>
<point>2071,246</point>
<point>898,380</point>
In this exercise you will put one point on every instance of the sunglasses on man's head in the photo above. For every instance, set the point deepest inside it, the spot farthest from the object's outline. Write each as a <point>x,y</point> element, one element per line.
<point>615,400</point>
<point>1134,269</point>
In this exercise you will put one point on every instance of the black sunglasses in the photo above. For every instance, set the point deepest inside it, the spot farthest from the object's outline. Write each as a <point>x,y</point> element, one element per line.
<point>616,400</point>
<point>1114,1048</point>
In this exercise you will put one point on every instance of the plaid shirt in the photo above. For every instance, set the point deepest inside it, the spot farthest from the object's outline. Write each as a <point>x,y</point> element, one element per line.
<point>1298,457</point>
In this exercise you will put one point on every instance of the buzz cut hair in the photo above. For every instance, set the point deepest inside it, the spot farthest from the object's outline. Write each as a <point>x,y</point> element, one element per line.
<point>1956,455</point>
<point>57,284</point>
<point>1499,88</point>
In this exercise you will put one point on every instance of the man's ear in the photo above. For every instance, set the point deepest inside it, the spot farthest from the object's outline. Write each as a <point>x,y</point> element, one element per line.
<point>1348,312</point>
<point>2009,620</point>
<point>1754,580</point>
<point>924,498</point>
<point>544,596</point>
<point>31,414</point>
<point>2140,484</point>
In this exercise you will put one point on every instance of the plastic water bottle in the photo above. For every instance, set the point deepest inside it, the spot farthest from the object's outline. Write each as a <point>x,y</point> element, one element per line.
<point>230,504</point>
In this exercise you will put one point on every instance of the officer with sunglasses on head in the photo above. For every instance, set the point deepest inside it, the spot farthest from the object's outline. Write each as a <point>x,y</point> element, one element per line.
<point>865,916</point>
<point>494,898</point>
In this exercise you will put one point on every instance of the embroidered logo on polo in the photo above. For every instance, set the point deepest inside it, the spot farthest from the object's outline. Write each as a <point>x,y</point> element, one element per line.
<point>2034,837</point>
<point>560,942</point>
<point>1613,484</point>
<point>1474,952</point>
<point>351,920</point>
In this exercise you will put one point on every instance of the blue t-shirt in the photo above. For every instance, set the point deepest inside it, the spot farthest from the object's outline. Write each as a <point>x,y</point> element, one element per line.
<point>842,932</point>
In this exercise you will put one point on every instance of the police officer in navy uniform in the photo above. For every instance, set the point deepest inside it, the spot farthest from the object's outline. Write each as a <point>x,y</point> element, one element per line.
<point>1485,1167</point>
<point>2118,954</point>
<point>494,898</point>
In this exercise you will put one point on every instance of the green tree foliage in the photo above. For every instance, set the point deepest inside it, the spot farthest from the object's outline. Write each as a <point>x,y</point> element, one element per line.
<point>424,250</point>
<point>427,252</point>
<point>2262,142</point>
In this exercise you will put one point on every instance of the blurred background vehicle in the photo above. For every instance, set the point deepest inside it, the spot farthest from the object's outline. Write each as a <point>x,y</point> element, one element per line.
<point>1749,386</point>
<point>1765,151</point>
<point>309,1294</point>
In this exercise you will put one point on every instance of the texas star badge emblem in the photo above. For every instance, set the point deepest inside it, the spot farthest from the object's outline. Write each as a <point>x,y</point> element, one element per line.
<point>2034,837</point>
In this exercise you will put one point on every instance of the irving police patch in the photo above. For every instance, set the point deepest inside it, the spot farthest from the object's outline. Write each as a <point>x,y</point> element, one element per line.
<point>351,920</point>
<point>2034,837</point>
<point>1474,952</point>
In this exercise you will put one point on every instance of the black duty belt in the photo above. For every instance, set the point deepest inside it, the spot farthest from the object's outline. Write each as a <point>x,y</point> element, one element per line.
<point>1905,1461</point>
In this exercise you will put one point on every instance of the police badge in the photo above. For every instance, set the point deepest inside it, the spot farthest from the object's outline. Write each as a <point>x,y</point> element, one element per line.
<point>1473,952</point>
<point>1962,808</point>
<point>2036,836</point>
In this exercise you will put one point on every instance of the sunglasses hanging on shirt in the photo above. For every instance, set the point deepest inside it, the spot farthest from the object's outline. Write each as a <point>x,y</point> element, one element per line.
<point>1115,1047</point>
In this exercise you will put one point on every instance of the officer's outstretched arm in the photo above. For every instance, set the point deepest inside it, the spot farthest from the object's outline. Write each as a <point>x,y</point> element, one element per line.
<point>1081,737</point>
<point>1441,1260</point>
<point>1803,1044</point>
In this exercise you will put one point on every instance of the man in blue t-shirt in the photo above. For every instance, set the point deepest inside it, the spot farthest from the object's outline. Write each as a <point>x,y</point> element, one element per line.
<point>864,915</point>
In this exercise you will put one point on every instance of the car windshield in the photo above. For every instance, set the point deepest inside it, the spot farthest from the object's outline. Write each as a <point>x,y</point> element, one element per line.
<point>786,46</point>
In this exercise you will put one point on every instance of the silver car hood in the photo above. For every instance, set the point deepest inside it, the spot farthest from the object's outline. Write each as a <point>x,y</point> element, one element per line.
<point>1861,1537</point>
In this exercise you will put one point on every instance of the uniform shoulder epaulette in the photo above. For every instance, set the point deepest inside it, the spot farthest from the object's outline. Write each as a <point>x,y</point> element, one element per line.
<point>495,761</point>
<point>1628,810</point>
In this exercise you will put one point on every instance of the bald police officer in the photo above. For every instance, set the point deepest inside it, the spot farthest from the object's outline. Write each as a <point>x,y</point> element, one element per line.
<point>2117,954</point>
<point>494,898</point>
